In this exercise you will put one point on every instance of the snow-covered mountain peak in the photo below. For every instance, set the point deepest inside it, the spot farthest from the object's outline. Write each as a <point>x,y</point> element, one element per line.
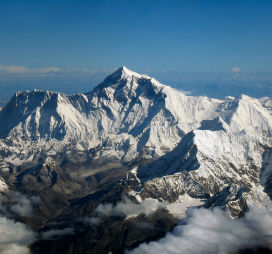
<point>124,85</point>
<point>124,73</point>
<point>246,113</point>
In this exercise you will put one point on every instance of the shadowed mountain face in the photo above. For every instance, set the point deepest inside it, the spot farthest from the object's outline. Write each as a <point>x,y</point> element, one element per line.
<point>118,166</point>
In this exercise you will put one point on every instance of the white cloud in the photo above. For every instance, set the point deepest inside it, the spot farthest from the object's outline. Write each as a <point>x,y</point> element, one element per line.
<point>213,231</point>
<point>236,69</point>
<point>16,203</point>
<point>14,237</point>
<point>127,208</point>
<point>22,205</point>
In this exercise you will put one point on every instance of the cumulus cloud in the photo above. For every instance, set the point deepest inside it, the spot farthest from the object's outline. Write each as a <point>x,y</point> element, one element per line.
<point>14,237</point>
<point>22,205</point>
<point>16,203</point>
<point>126,208</point>
<point>214,231</point>
<point>236,69</point>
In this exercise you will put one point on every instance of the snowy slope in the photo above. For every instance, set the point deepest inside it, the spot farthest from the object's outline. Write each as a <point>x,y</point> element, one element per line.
<point>207,164</point>
<point>208,161</point>
<point>44,115</point>
<point>248,114</point>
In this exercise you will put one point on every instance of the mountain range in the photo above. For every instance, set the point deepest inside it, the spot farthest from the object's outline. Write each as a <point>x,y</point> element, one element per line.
<point>83,161</point>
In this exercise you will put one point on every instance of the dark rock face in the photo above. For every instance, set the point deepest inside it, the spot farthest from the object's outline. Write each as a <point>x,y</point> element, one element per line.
<point>266,172</point>
<point>113,234</point>
<point>67,199</point>
<point>231,198</point>
<point>256,250</point>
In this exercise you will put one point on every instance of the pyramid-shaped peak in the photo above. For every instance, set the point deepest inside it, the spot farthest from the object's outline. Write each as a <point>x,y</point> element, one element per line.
<point>122,72</point>
<point>124,69</point>
<point>125,72</point>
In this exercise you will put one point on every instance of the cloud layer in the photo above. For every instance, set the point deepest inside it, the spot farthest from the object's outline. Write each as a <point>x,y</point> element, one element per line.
<point>22,205</point>
<point>14,237</point>
<point>213,231</point>
<point>20,70</point>
<point>18,204</point>
<point>126,208</point>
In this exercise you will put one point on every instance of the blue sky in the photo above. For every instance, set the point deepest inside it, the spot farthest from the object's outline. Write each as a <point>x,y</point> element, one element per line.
<point>147,36</point>
<point>166,35</point>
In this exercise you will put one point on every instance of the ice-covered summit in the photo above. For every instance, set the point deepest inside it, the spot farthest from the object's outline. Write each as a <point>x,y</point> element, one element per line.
<point>125,79</point>
<point>124,72</point>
